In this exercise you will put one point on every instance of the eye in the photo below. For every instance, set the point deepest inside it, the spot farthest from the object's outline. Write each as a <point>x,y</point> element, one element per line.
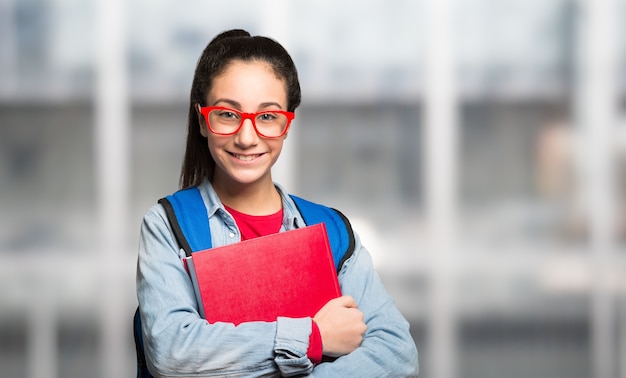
<point>226,114</point>
<point>267,117</point>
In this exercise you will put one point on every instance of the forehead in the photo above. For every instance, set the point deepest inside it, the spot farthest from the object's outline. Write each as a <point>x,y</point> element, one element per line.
<point>249,82</point>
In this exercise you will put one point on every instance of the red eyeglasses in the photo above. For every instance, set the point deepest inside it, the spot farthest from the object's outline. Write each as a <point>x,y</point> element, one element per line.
<point>226,121</point>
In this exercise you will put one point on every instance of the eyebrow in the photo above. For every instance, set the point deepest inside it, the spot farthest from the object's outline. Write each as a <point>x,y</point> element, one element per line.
<point>237,105</point>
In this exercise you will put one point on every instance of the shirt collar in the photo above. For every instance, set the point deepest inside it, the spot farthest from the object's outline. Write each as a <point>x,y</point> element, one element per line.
<point>291,215</point>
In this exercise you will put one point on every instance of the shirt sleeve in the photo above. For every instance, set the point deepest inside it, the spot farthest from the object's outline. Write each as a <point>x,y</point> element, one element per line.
<point>178,342</point>
<point>387,349</point>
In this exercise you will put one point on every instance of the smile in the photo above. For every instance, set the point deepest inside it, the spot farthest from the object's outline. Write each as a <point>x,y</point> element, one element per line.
<point>246,157</point>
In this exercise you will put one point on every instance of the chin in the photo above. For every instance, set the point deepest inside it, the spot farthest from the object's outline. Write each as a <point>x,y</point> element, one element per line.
<point>248,179</point>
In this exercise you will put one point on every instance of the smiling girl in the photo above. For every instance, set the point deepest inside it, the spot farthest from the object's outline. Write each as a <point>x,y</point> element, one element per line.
<point>243,98</point>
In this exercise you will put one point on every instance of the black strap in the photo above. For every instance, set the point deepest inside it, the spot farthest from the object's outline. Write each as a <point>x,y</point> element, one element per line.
<point>351,245</point>
<point>178,232</point>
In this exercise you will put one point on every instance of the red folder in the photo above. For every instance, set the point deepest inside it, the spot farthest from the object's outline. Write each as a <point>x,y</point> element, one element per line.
<point>289,274</point>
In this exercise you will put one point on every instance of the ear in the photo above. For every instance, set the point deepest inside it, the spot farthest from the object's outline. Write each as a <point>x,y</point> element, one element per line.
<point>202,122</point>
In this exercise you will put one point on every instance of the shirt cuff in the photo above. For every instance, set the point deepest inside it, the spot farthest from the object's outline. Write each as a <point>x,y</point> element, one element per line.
<point>315,344</point>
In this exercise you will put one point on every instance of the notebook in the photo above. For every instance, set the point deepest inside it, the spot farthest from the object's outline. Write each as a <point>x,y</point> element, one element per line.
<point>288,274</point>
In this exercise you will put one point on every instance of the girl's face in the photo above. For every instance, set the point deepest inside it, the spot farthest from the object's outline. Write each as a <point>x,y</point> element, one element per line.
<point>245,158</point>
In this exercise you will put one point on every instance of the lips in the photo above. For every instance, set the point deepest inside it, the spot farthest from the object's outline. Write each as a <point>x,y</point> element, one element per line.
<point>245,157</point>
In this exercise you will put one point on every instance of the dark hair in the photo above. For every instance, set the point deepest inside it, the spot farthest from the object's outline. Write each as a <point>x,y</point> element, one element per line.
<point>231,45</point>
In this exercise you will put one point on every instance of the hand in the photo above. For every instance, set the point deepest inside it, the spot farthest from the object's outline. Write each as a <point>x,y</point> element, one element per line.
<point>341,326</point>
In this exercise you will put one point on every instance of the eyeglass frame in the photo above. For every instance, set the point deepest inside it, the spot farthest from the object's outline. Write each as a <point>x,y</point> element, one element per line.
<point>205,110</point>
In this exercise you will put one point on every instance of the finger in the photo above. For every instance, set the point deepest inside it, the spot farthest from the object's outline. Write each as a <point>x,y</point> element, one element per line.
<point>346,301</point>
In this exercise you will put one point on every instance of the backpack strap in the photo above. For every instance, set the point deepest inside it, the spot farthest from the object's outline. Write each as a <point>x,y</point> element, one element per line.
<point>190,223</point>
<point>189,219</point>
<point>340,234</point>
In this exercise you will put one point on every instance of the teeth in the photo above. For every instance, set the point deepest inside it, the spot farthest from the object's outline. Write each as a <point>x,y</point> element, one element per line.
<point>246,157</point>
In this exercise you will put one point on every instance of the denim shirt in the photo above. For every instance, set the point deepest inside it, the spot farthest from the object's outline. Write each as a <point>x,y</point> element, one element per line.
<point>178,342</point>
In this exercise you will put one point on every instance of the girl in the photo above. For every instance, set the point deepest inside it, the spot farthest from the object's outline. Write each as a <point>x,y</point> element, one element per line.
<point>229,158</point>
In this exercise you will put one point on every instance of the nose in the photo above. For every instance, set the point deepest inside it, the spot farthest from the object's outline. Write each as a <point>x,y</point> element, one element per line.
<point>246,136</point>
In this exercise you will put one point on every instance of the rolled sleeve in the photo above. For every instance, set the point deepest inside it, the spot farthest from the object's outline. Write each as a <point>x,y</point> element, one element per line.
<point>291,345</point>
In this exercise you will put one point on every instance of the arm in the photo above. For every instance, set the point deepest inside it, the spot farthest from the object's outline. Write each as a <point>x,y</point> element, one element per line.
<point>387,349</point>
<point>177,341</point>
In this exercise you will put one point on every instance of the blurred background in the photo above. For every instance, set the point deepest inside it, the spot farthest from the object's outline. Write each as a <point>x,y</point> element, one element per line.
<point>478,146</point>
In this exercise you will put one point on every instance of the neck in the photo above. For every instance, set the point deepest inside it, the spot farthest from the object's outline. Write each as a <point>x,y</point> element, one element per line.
<point>252,199</point>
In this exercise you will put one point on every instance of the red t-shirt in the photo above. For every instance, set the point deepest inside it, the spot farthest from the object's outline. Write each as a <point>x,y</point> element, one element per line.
<point>253,226</point>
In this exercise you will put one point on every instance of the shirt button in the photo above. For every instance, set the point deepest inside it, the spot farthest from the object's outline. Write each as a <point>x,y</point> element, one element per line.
<point>231,235</point>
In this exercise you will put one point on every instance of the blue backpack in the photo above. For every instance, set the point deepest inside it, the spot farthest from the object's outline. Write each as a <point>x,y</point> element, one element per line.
<point>190,223</point>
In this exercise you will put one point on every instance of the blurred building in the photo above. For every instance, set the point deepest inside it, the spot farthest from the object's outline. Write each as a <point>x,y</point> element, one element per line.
<point>502,238</point>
